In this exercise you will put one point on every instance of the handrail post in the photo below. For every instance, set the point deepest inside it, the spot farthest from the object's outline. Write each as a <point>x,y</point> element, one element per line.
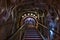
<point>48,35</point>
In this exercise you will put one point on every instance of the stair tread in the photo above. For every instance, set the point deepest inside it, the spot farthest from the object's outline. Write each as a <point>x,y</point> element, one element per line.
<point>32,38</point>
<point>31,34</point>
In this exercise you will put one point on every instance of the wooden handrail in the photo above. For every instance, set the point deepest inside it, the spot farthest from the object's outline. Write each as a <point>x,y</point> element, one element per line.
<point>41,35</point>
<point>19,29</point>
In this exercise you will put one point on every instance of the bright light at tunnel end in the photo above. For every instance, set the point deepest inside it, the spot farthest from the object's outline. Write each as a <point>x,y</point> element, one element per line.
<point>30,20</point>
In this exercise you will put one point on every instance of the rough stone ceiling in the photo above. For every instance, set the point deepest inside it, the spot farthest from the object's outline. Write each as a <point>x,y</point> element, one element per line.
<point>4,3</point>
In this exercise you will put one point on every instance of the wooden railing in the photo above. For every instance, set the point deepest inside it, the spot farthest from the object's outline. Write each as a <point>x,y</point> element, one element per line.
<point>17,35</point>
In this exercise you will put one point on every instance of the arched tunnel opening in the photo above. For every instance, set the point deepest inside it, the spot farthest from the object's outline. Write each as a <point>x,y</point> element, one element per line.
<point>29,19</point>
<point>30,22</point>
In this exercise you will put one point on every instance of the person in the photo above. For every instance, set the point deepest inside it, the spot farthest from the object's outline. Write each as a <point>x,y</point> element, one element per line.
<point>52,25</point>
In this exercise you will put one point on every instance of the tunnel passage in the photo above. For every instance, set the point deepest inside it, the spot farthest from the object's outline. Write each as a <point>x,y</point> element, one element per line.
<point>31,22</point>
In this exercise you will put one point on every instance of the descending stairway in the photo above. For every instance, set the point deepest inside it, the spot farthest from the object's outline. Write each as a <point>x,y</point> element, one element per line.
<point>32,34</point>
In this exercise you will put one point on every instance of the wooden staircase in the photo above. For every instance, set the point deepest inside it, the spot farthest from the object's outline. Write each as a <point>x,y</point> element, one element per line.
<point>32,34</point>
